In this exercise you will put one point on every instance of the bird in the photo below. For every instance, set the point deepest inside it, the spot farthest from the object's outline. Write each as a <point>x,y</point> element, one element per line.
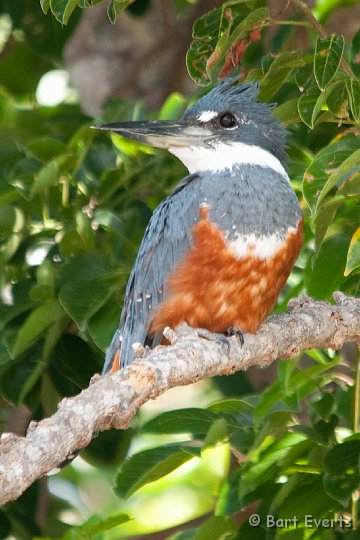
<point>218,250</point>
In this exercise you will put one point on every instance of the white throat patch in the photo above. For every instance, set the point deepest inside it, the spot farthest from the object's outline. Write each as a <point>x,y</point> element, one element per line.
<point>223,156</point>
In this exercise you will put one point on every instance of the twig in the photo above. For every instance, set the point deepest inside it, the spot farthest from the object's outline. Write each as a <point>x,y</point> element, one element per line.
<point>320,30</point>
<point>309,14</point>
<point>112,401</point>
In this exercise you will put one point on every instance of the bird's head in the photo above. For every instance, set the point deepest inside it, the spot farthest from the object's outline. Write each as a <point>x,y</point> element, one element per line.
<point>226,127</point>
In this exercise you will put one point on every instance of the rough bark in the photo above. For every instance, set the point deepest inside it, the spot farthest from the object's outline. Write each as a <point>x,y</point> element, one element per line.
<point>112,401</point>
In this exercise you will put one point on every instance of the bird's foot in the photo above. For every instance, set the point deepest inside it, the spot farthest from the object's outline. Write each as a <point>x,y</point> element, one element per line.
<point>237,332</point>
<point>220,339</point>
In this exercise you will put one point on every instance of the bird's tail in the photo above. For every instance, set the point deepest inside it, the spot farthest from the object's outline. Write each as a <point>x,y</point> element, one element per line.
<point>112,357</point>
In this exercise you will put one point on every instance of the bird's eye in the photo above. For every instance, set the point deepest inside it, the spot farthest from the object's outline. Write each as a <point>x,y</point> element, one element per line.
<point>227,120</point>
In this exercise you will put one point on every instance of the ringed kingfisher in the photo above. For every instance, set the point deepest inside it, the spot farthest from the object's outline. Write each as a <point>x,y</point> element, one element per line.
<point>218,250</point>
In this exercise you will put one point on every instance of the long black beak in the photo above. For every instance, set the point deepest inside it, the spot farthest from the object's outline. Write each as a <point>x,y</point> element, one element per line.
<point>162,134</point>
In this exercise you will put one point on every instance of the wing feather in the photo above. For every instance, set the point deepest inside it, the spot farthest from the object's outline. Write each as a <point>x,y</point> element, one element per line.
<point>166,240</point>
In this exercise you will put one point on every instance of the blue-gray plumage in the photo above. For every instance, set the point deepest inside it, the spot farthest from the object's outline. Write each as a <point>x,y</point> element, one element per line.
<point>235,150</point>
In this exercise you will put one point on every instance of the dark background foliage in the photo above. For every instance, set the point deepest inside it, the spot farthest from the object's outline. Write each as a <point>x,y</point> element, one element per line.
<point>73,207</point>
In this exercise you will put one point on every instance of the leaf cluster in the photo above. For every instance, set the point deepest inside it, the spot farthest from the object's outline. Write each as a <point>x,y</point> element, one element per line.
<point>279,463</point>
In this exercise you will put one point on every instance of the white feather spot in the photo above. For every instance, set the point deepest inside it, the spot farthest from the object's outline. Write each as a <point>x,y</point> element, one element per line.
<point>263,247</point>
<point>206,116</point>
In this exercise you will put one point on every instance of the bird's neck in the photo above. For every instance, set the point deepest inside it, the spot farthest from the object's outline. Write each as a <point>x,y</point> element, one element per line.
<point>221,156</point>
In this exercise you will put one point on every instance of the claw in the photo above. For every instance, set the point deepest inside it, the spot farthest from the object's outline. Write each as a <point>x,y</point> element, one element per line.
<point>220,339</point>
<point>225,343</point>
<point>234,331</point>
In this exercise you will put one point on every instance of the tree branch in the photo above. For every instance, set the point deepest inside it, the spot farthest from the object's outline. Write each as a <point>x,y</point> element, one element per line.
<point>112,401</point>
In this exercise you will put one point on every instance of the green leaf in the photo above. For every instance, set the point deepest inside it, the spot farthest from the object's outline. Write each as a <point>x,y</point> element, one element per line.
<point>218,432</point>
<point>41,293</point>
<point>31,380</point>
<point>103,324</point>
<point>84,229</point>
<point>216,528</point>
<point>81,141</point>
<point>45,4</point>
<point>206,32</point>
<point>325,163</point>
<point>9,248</point>
<point>94,526</point>
<point>46,274</point>
<point>288,112</point>
<point>341,486</point>
<point>72,364</point>
<point>328,54</point>
<point>353,256</point>
<point>351,187</point>
<point>86,283</point>
<point>109,448</point>
<point>88,3</point>
<point>324,217</point>
<point>36,324</point>
<point>115,6</point>
<point>5,525</point>
<point>284,373</point>
<point>324,406</point>
<point>309,105</point>
<point>238,415</point>
<point>342,473</point>
<point>328,271</point>
<point>12,220</point>
<point>304,77</point>
<point>355,54</point>
<point>337,101</point>
<point>110,221</point>
<point>196,421</point>
<point>353,90</point>
<point>255,474</point>
<point>150,465</point>
<point>321,432</point>
<point>89,266</point>
<point>256,18</point>
<point>53,336</point>
<point>21,377</point>
<point>279,71</point>
<point>237,409</point>
<point>308,499</point>
<point>5,357</point>
<point>272,399</point>
<point>62,9</point>
<point>48,175</point>
<point>215,33</point>
<point>172,107</point>
<point>340,174</point>
<point>22,303</point>
<point>71,244</point>
<point>45,149</point>
<point>82,299</point>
